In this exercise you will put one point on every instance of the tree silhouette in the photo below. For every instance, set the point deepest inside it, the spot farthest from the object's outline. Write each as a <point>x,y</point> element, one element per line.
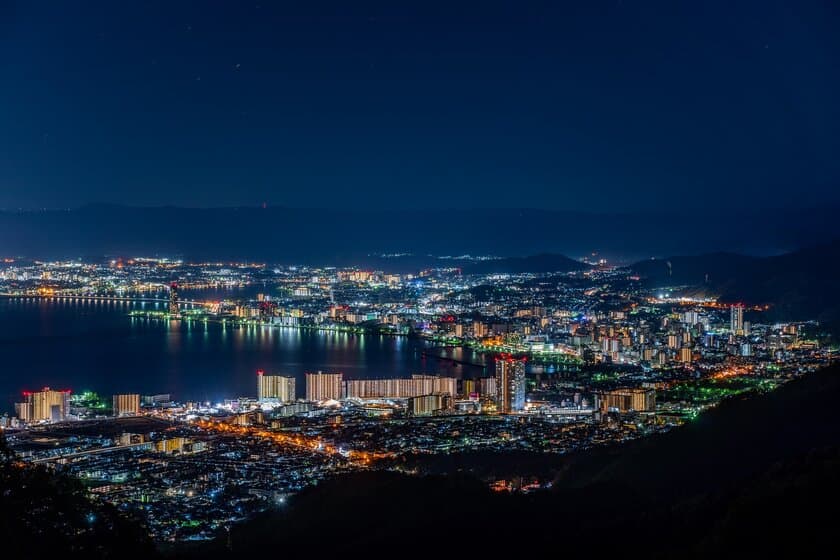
<point>44,513</point>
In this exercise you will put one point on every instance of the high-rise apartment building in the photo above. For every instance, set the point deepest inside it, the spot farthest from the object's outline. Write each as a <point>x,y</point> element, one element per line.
<point>174,309</point>
<point>323,386</point>
<point>690,318</point>
<point>126,405</point>
<point>427,405</point>
<point>427,384</point>
<point>399,388</point>
<point>487,386</point>
<point>510,384</point>
<point>45,405</point>
<point>736,319</point>
<point>626,400</point>
<point>479,329</point>
<point>278,388</point>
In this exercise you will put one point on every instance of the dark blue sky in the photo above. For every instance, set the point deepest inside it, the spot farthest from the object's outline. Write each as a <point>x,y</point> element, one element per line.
<point>589,105</point>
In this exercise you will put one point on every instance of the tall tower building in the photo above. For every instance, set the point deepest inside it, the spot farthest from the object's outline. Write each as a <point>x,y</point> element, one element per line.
<point>323,386</point>
<point>736,319</point>
<point>510,384</point>
<point>275,387</point>
<point>126,405</point>
<point>174,310</point>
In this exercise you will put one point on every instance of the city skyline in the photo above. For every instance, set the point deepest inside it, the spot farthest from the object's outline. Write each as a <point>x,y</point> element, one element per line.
<point>284,278</point>
<point>433,365</point>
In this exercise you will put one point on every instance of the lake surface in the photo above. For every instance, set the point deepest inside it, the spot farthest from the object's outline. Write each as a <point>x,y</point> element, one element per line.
<point>97,346</point>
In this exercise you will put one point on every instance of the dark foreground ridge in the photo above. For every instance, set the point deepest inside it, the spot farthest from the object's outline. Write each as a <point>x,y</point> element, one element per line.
<point>44,515</point>
<point>756,476</point>
<point>752,477</point>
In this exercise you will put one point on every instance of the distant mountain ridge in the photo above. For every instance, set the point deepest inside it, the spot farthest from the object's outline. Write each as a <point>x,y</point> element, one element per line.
<point>798,285</point>
<point>324,236</point>
<point>545,262</point>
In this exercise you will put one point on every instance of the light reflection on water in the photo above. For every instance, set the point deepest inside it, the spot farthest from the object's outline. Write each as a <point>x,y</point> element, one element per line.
<point>96,345</point>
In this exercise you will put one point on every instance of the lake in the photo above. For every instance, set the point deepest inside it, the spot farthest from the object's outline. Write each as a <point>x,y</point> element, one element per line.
<point>95,345</point>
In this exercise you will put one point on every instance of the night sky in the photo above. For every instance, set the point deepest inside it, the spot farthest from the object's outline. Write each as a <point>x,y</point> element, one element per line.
<point>600,106</point>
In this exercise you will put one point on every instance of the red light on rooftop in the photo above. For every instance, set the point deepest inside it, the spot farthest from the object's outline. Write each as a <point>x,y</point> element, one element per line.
<point>260,372</point>
<point>506,357</point>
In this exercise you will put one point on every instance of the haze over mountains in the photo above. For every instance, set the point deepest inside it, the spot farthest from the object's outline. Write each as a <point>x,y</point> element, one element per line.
<point>798,285</point>
<point>321,236</point>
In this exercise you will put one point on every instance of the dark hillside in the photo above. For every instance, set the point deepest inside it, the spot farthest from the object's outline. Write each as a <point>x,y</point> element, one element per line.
<point>798,286</point>
<point>758,468</point>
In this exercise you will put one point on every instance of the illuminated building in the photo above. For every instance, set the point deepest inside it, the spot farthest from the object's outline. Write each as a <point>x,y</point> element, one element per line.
<point>174,310</point>
<point>45,405</point>
<point>171,445</point>
<point>510,384</point>
<point>610,345</point>
<point>127,438</point>
<point>399,388</point>
<point>126,405</point>
<point>23,411</point>
<point>156,400</point>
<point>685,355</point>
<point>275,388</point>
<point>360,317</point>
<point>436,384</point>
<point>736,319</point>
<point>691,318</point>
<point>468,387</point>
<point>292,409</point>
<point>487,386</point>
<point>426,405</point>
<point>626,400</point>
<point>323,386</point>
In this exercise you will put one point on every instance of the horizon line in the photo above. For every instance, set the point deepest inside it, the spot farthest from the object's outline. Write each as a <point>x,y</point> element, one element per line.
<point>265,206</point>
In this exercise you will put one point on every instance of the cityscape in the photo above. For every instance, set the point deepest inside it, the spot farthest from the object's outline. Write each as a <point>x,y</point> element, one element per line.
<point>533,279</point>
<point>569,361</point>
